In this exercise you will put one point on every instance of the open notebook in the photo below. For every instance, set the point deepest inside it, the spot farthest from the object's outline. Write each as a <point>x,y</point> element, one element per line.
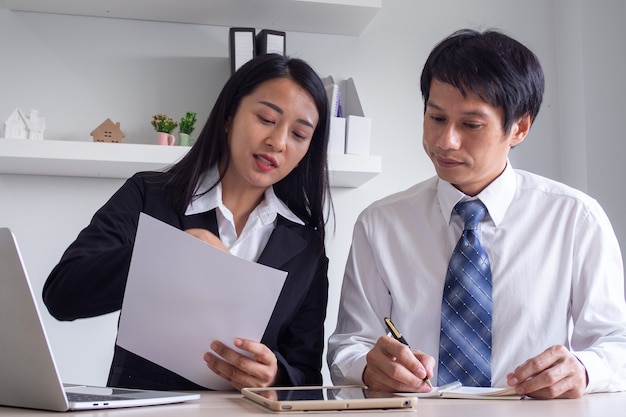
<point>28,373</point>
<point>457,390</point>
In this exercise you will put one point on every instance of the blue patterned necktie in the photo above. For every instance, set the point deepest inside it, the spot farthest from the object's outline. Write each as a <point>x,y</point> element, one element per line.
<point>465,340</point>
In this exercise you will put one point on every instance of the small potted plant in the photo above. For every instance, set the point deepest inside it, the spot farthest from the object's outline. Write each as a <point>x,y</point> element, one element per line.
<point>164,126</point>
<point>186,126</point>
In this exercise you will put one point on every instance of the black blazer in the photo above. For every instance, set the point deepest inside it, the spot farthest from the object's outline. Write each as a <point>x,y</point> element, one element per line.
<point>91,276</point>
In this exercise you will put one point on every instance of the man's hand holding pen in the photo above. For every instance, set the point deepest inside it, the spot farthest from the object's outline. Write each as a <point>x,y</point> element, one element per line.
<point>394,367</point>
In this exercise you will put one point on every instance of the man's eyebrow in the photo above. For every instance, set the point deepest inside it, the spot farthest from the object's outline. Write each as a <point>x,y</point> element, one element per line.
<point>280,111</point>
<point>432,105</point>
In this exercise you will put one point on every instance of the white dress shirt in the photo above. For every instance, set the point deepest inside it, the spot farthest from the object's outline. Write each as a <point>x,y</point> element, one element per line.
<point>557,270</point>
<point>259,226</point>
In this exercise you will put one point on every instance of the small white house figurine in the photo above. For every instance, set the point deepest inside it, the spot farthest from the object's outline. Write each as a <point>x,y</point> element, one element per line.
<point>20,126</point>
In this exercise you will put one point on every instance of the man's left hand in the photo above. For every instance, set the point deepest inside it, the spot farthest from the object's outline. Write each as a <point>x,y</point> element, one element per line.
<point>555,373</point>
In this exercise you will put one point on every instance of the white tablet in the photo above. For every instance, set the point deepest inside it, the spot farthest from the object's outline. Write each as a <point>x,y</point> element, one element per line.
<point>351,397</point>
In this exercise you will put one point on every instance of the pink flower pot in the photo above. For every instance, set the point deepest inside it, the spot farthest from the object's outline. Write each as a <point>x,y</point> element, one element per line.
<point>166,139</point>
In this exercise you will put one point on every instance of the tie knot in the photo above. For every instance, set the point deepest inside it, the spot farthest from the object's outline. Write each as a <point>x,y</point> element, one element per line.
<point>472,212</point>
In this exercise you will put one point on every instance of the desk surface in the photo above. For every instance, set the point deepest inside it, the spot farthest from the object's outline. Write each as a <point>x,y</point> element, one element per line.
<point>233,404</point>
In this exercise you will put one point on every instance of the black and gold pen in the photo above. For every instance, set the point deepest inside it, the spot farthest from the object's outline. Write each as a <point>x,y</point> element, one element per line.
<point>396,335</point>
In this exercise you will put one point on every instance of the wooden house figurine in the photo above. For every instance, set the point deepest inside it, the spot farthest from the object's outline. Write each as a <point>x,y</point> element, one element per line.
<point>108,131</point>
<point>21,126</point>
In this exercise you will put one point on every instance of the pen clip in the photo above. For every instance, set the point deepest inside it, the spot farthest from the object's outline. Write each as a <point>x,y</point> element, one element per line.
<point>392,328</point>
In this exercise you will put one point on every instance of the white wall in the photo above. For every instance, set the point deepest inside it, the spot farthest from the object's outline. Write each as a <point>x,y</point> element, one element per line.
<point>78,71</point>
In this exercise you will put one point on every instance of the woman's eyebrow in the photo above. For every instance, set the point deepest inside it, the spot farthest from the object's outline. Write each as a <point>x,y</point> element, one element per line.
<point>272,105</point>
<point>280,111</point>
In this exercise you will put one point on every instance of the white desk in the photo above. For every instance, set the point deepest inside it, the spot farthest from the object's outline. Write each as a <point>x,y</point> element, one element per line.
<point>233,404</point>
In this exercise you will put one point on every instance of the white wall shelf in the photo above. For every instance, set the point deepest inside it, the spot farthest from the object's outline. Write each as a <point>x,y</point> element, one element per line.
<point>122,160</point>
<point>338,17</point>
<point>112,160</point>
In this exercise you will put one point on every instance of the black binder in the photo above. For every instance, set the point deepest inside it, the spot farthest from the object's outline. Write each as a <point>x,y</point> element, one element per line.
<point>271,42</point>
<point>241,45</point>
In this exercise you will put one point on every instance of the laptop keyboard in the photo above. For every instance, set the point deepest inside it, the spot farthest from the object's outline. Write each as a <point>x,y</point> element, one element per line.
<point>80,397</point>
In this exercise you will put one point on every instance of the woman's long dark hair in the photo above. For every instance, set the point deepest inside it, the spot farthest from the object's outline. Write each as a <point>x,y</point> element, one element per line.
<point>305,190</point>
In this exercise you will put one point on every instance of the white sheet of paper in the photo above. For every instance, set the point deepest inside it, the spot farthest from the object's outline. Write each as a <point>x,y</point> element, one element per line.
<point>183,293</point>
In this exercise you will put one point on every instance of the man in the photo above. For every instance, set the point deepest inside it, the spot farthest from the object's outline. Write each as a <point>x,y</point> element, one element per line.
<point>553,319</point>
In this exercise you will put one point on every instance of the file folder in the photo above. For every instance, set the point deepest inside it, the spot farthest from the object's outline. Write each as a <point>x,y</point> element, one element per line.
<point>242,47</point>
<point>270,42</point>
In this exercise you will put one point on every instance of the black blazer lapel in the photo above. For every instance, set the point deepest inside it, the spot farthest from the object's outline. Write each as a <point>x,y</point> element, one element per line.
<point>283,245</point>
<point>206,220</point>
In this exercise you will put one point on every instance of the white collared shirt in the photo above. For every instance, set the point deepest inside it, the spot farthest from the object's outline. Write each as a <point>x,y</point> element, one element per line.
<point>259,226</point>
<point>556,266</point>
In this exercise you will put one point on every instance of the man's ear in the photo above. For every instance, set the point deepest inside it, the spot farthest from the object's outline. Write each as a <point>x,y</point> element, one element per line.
<point>519,130</point>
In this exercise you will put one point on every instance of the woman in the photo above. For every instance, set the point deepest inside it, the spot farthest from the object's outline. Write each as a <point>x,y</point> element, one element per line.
<point>254,184</point>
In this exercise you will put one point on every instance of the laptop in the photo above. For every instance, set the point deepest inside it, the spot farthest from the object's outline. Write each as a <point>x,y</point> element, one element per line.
<point>28,374</point>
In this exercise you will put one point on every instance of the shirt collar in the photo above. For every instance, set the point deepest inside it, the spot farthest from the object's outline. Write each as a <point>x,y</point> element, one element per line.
<point>497,197</point>
<point>209,200</point>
